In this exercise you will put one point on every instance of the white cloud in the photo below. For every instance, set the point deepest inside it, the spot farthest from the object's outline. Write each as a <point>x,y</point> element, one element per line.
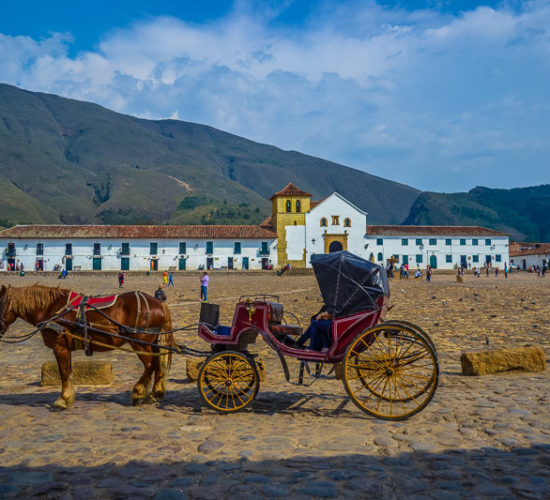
<point>438,101</point>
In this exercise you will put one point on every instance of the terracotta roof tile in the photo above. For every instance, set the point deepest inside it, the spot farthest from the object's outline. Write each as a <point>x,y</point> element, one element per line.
<point>432,231</point>
<point>267,223</point>
<point>290,190</point>
<point>518,249</point>
<point>130,232</point>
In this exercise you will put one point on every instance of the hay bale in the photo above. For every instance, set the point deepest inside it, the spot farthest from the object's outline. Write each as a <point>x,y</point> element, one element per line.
<point>193,366</point>
<point>84,373</point>
<point>528,358</point>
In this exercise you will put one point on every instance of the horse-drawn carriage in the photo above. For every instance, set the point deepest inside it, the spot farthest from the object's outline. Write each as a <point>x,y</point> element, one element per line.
<point>389,368</point>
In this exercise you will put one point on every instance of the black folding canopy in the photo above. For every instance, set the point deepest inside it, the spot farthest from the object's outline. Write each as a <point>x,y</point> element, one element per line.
<point>348,283</point>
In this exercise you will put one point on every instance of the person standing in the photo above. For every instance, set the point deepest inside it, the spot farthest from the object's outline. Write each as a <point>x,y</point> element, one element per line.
<point>171,279</point>
<point>428,273</point>
<point>165,277</point>
<point>390,270</point>
<point>121,280</point>
<point>505,270</point>
<point>204,286</point>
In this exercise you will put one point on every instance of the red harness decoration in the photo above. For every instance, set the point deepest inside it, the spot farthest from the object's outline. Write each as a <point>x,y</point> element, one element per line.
<point>75,300</point>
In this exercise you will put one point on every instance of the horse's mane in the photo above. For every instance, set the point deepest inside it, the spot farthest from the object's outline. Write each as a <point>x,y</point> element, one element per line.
<point>30,298</point>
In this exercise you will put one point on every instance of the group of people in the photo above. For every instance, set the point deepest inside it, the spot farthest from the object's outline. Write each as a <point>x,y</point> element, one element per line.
<point>168,278</point>
<point>16,266</point>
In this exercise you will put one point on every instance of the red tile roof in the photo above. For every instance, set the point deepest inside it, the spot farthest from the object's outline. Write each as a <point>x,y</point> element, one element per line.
<point>290,190</point>
<point>142,232</point>
<point>267,223</point>
<point>517,249</point>
<point>432,231</point>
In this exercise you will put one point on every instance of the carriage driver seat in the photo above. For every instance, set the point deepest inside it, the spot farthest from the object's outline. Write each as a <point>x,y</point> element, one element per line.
<point>210,316</point>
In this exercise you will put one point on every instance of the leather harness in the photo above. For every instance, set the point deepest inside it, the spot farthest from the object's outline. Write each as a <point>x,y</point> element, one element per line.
<point>84,324</point>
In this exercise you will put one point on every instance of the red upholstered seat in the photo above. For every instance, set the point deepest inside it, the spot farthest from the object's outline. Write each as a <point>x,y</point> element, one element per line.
<point>75,299</point>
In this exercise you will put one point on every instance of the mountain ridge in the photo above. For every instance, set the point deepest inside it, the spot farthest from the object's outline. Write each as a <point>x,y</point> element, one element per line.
<point>520,212</point>
<point>74,162</point>
<point>82,163</point>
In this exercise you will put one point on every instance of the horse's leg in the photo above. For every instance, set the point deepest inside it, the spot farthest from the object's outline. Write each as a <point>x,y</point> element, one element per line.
<point>63,357</point>
<point>140,389</point>
<point>159,386</point>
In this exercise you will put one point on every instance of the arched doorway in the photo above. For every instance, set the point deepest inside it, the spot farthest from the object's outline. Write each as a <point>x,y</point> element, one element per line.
<point>433,261</point>
<point>335,246</point>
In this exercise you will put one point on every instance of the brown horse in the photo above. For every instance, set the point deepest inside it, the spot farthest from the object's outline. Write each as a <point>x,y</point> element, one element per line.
<point>139,311</point>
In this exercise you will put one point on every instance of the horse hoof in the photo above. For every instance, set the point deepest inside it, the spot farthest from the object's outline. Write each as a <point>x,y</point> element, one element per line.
<point>60,404</point>
<point>150,400</point>
<point>137,401</point>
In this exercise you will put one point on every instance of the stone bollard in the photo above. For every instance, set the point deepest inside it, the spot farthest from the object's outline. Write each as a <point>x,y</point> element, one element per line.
<point>193,366</point>
<point>84,373</point>
<point>528,358</point>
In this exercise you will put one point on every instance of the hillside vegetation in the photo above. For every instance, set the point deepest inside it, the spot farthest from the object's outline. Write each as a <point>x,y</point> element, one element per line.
<point>66,161</point>
<point>521,212</point>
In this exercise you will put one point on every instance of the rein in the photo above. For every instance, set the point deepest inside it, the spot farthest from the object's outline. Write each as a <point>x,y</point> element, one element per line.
<point>59,323</point>
<point>58,320</point>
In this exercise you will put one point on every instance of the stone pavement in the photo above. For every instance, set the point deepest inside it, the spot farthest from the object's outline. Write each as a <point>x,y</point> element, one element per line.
<point>480,437</point>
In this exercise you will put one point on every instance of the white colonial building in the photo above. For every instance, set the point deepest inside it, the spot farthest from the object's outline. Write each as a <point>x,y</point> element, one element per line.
<point>297,229</point>
<point>442,247</point>
<point>529,255</point>
<point>137,248</point>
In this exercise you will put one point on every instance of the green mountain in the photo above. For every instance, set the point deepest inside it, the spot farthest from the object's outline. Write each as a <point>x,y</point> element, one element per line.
<point>66,161</point>
<point>521,212</point>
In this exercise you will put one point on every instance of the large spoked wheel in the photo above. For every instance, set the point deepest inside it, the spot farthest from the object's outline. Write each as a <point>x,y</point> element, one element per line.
<point>228,381</point>
<point>391,371</point>
<point>414,327</point>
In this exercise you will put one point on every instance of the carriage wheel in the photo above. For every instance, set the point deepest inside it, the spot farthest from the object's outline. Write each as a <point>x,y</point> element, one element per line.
<point>414,327</point>
<point>390,371</point>
<point>228,381</point>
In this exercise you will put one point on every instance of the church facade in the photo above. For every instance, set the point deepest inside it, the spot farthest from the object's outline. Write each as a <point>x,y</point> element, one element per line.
<point>298,228</point>
<point>305,227</point>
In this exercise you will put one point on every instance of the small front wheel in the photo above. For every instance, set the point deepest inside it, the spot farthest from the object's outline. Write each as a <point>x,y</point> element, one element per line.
<point>228,381</point>
<point>391,371</point>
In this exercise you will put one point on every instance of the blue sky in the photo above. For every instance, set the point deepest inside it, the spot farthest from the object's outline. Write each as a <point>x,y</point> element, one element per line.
<point>438,94</point>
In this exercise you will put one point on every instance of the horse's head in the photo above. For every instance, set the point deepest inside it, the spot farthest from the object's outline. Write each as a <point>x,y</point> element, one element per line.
<point>7,317</point>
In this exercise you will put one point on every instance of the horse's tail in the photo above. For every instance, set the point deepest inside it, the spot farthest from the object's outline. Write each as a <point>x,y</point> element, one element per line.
<point>166,339</point>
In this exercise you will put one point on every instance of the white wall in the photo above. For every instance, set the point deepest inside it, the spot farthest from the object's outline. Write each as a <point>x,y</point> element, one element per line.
<point>393,245</point>
<point>295,236</point>
<point>330,206</point>
<point>140,258</point>
<point>530,260</point>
